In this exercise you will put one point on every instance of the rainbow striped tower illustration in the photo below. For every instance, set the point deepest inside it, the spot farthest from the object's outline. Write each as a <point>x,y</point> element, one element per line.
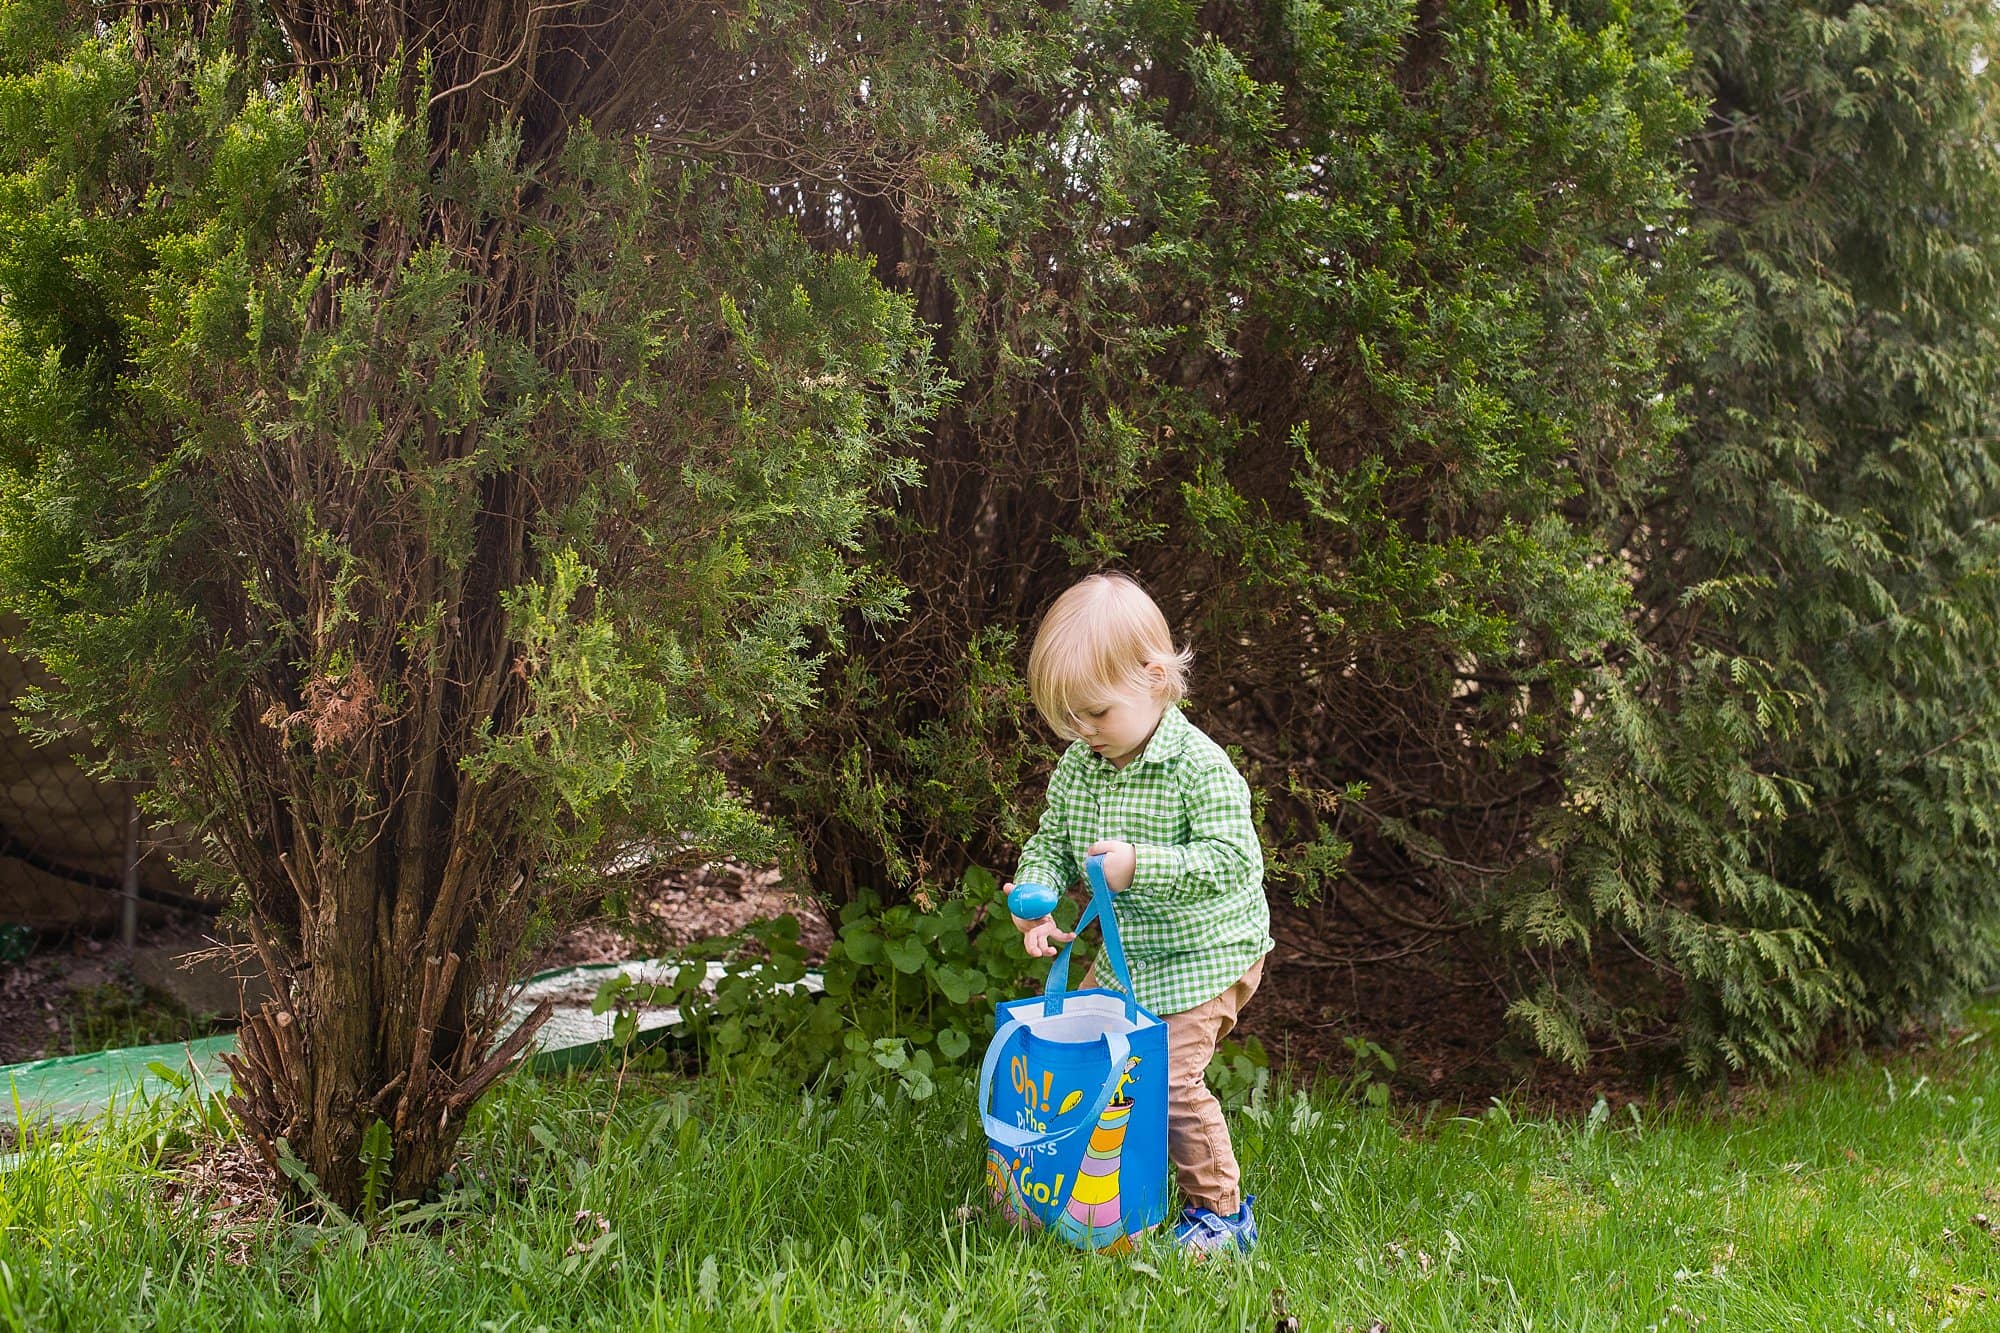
<point>1094,1217</point>
<point>1005,1191</point>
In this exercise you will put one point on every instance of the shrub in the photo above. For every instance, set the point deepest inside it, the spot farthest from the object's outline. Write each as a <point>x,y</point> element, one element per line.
<point>1346,328</point>
<point>1785,806</point>
<point>420,464</point>
<point>905,990</point>
<point>1580,507</point>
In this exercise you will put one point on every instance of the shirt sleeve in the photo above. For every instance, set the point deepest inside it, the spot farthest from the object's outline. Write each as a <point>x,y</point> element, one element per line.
<point>1048,857</point>
<point>1222,852</point>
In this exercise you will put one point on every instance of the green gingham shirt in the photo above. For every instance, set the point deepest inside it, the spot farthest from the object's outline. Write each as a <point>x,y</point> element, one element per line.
<point>1194,919</point>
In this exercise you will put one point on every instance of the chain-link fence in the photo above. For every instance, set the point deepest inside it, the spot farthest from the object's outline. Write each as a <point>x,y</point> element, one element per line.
<point>73,853</point>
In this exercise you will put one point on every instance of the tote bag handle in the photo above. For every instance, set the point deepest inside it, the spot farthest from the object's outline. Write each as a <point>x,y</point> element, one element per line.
<point>1100,910</point>
<point>1020,1139</point>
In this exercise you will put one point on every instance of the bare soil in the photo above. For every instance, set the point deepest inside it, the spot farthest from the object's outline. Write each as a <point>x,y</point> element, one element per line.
<point>31,998</point>
<point>48,996</point>
<point>685,907</point>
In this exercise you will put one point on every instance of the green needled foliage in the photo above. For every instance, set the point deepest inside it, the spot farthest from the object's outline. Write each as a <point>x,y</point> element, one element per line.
<point>1323,319</point>
<point>421,464</point>
<point>434,443</point>
<point>1345,327</point>
<point>1579,506</point>
<point>1787,805</point>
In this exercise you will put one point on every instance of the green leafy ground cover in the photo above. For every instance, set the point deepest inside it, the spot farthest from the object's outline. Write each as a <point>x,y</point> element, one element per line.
<point>125,1011</point>
<point>1856,1197</point>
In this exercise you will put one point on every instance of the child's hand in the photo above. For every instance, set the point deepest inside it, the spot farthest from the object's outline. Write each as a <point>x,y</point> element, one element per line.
<point>1120,859</point>
<point>1041,937</point>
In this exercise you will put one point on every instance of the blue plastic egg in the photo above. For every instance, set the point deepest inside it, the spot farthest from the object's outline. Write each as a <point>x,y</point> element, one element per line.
<point>1031,902</point>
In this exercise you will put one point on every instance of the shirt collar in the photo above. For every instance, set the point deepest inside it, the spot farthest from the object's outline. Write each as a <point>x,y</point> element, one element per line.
<point>1169,738</point>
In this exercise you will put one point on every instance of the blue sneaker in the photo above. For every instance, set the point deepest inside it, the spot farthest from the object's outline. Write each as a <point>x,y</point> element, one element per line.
<point>1201,1233</point>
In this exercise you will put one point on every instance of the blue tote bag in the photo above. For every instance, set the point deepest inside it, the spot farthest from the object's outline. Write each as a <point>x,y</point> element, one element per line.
<point>1076,1135</point>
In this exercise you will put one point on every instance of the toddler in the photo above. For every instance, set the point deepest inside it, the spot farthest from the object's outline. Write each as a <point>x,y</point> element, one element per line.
<point>1171,815</point>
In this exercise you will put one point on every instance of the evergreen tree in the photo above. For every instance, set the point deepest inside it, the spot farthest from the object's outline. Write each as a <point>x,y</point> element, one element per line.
<point>1787,806</point>
<point>424,446</point>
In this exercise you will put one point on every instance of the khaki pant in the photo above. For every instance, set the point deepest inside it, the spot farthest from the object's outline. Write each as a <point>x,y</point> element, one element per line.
<point>1197,1135</point>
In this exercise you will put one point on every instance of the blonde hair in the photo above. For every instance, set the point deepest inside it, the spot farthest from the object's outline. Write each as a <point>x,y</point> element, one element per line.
<point>1102,641</point>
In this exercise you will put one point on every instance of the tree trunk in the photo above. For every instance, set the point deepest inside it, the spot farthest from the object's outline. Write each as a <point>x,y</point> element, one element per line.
<point>412,1047</point>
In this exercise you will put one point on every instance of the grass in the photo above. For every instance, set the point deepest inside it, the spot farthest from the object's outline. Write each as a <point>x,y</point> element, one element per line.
<point>1844,1200</point>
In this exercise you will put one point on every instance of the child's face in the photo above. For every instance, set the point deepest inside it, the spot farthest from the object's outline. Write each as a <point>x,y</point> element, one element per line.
<point>1119,727</point>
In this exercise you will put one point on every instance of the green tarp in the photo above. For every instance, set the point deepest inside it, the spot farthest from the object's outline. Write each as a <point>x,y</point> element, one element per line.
<point>69,1088</point>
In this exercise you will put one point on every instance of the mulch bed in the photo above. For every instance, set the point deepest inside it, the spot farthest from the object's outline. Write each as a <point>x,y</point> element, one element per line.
<point>231,1187</point>
<point>31,994</point>
<point>686,907</point>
